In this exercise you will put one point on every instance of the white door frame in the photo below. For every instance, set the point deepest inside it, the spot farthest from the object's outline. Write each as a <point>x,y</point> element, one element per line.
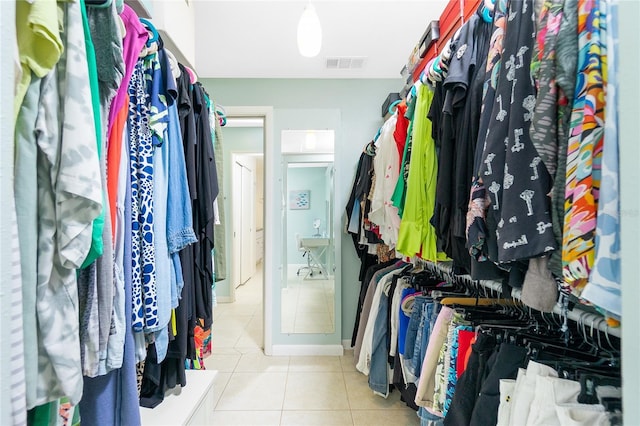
<point>266,112</point>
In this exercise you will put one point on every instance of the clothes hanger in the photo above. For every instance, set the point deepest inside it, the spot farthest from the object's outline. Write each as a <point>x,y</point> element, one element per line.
<point>414,90</point>
<point>595,356</point>
<point>485,12</point>
<point>192,75</point>
<point>609,355</point>
<point>378,133</point>
<point>472,301</point>
<point>370,149</point>
<point>221,113</point>
<point>152,28</point>
<point>393,107</point>
<point>98,4</point>
<point>175,69</point>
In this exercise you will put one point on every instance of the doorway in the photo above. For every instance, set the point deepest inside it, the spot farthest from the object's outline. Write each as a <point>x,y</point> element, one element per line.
<point>241,313</point>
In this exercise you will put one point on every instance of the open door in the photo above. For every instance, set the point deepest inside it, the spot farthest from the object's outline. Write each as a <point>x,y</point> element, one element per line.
<point>244,265</point>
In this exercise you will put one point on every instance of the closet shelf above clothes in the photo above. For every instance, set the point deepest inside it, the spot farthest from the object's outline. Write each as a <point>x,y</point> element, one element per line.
<point>172,36</point>
<point>141,7</point>
<point>451,19</point>
<point>170,44</point>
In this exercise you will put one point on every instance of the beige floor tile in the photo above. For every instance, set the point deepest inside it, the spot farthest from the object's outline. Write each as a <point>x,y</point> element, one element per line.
<point>406,417</point>
<point>256,324</point>
<point>249,345</point>
<point>219,385</point>
<point>289,311</point>
<point>290,293</point>
<point>288,325</point>
<point>249,339</point>
<point>261,363</point>
<point>217,312</point>
<point>247,297</point>
<point>222,363</point>
<point>249,300</point>
<point>254,332</point>
<point>235,350</point>
<point>315,364</point>
<point>224,350</point>
<point>315,391</point>
<point>233,322</point>
<point>224,310</point>
<point>224,340</point>
<point>316,418</point>
<point>312,305</point>
<point>311,286</point>
<point>348,363</point>
<point>253,392</point>
<point>363,398</point>
<point>248,350</point>
<point>246,418</point>
<point>310,297</point>
<point>316,327</point>
<point>314,322</point>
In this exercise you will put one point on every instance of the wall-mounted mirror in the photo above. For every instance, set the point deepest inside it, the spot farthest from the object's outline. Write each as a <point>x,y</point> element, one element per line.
<point>308,279</point>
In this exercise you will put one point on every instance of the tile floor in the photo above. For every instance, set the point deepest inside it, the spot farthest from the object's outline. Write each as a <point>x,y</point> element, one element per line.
<point>254,389</point>
<point>307,304</point>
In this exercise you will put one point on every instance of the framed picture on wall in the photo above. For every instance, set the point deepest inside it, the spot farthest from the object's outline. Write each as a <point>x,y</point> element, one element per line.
<point>299,199</point>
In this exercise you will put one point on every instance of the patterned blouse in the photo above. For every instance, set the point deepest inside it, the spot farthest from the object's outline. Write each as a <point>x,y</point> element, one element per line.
<point>584,155</point>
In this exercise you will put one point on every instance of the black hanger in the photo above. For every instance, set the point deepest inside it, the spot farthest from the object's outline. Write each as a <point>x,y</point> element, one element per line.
<point>98,3</point>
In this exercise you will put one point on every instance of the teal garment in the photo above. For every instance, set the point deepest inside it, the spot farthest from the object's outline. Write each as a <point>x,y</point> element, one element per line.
<point>399,194</point>
<point>95,280</point>
<point>26,198</point>
<point>97,247</point>
<point>219,236</point>
<point>45,414</point>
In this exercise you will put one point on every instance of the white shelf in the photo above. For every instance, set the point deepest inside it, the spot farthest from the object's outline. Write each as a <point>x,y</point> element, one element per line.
<point>191,405</point>
<point>141,7</point>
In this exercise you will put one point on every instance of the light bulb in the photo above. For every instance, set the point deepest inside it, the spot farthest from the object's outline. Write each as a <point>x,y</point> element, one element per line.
<point>310,141</point>
<point>309,32</point>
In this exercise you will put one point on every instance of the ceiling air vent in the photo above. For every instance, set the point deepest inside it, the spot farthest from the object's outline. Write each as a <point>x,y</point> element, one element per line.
<point>345,63</point>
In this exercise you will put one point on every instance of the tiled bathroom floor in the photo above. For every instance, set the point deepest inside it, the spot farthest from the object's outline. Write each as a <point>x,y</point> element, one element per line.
<point>254,389</point>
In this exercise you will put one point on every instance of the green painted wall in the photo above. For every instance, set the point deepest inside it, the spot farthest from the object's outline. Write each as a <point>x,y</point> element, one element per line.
<point>629,93</point>
<point>359,105</point>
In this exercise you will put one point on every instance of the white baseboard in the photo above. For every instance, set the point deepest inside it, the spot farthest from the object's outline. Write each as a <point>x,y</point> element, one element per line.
<point>225,299</point>
<point>308,350</point>
<point>346,344</point>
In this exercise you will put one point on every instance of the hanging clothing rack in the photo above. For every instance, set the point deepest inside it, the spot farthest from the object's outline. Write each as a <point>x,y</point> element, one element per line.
<point>581,316</point>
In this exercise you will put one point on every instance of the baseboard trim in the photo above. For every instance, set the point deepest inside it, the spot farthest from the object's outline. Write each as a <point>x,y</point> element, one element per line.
<point>225,299</point>
<point>346,344</point>
<point>308,350</point>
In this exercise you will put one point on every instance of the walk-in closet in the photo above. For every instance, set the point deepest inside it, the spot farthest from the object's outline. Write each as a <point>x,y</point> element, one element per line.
<point>319,212</point>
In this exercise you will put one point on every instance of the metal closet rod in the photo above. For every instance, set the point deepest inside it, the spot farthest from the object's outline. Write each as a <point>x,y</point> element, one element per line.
<point>577,314</point>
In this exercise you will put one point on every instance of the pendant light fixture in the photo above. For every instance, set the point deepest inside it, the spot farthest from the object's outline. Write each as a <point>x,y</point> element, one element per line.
<point>309,32</point>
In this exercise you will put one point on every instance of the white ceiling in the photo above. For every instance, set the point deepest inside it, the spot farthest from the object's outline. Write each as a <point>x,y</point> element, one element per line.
<point>257,39</point>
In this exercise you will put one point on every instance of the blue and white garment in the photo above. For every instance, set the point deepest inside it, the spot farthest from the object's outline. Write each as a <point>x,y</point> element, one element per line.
<point>144,297</point>
<point>452,375</point>
<point>604,288</point>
